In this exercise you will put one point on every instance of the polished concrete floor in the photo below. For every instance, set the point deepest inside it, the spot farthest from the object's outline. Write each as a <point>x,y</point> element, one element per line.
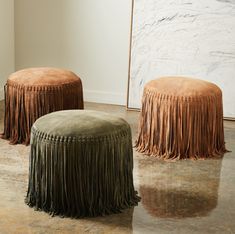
<point>177,197</point>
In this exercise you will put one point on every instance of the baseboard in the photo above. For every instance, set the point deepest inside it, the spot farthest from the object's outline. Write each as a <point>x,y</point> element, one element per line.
<point>105,97</point>
<point>95,96</point>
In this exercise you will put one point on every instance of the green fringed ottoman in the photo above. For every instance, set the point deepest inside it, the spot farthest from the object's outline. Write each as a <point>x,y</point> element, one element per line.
<point>181,118</point>
<point>81,164</point>
<point>33,92</point>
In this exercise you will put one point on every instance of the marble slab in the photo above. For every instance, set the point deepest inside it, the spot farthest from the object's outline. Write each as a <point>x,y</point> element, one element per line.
<point>194,38</point>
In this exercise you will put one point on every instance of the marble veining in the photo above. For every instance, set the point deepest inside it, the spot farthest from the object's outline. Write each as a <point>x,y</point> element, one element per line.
<point>183,37</point>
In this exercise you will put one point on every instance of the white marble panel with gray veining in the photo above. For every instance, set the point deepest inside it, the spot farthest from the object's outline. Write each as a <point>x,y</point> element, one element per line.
<point>194,38</point>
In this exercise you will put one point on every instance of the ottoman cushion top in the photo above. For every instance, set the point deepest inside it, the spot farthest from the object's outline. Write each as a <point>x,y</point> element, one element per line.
<point>46,76</point>
<point>80,123</point>
<point>183,87</point>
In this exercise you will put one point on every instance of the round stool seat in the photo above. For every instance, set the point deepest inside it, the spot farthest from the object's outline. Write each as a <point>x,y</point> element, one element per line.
<point>81,164</point>
<point>182,87</point>
<point>181,118</point>
<point>33,92</point>
<point>42,77</point>
<point>80,124</point>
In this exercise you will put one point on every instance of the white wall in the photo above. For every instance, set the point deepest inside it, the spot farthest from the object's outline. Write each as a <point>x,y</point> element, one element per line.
<point>88,37</point>
<point>6,42</point>
<point>192,38</point>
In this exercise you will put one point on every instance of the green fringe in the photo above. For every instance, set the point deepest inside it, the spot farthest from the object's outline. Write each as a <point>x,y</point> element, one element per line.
<point>81,177</point>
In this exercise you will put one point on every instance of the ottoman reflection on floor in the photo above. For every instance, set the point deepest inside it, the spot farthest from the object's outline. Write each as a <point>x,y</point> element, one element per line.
<point>81,164</point>
<point>33,92</point>
<point>181,118</point>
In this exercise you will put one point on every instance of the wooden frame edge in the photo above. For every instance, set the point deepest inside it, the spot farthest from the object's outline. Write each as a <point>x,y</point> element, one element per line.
<point>129,61</point>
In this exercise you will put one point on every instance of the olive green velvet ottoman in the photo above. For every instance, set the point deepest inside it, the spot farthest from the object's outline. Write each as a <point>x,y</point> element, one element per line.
<point>181,118</point>
<point>33,92</point>
<point>81,164</point>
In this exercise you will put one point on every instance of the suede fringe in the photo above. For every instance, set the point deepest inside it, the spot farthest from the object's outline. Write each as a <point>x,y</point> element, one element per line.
<point>81,177</point>
<point>181,127</point>
<point>25,104</point>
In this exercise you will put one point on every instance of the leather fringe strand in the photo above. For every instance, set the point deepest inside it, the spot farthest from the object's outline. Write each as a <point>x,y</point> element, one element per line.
<point>81,177</point>
<point>181,127</point>
<point>25,104</point>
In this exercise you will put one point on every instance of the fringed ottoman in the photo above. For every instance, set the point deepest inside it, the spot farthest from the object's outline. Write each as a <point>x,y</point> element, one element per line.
<point>81,164</point>
<point>181,118</point>
<point>31,93</point>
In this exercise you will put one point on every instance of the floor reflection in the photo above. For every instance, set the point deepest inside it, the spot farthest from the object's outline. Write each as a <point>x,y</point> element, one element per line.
<point>115,222</point>
<point>181,189</point>
<point>181,198</point>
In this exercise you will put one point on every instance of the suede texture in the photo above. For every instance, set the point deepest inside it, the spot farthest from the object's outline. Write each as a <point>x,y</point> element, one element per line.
<point>81,164</point>
<point>183,87</point>
<point>34,92</point>
<point>181,118</point>
<point>80,123</point>
<point>42,76</point>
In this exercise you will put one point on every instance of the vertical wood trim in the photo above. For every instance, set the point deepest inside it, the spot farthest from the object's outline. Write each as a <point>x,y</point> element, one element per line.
<point>129,68</point>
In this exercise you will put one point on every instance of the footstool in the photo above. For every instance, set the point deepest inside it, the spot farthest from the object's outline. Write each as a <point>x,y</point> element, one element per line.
<point>81,164</point>
<point>33,92</point>
<point>181,118</point>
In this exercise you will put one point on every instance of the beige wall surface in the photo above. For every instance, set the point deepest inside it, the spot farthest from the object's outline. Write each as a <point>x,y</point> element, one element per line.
<point>7,59</point>
<point>88,37</point>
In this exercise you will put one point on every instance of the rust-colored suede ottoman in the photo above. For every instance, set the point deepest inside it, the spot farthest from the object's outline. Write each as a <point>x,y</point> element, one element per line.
<point>33,92</point>
<point>181,118</point>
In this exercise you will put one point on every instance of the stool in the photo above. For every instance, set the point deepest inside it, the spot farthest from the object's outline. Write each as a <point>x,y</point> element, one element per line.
<point>33,92</point>
<point>181,118</point>
<point>81,164</point>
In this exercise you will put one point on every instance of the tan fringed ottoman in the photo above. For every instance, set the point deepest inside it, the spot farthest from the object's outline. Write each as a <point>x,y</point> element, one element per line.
<point>33,92</point>
<point>81,164</point>
<point>181,118</point>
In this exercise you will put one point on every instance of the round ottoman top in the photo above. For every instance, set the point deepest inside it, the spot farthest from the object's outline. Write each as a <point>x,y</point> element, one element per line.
<point>43,76</point>
<point>79,124</point>
<point>183,87</point>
